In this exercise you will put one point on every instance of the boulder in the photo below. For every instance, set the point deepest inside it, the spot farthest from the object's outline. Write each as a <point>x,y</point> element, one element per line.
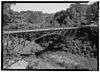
<point>21,64</point>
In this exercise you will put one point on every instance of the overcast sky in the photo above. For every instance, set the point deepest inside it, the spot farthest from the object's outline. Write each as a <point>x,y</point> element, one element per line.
<point>45,7</point>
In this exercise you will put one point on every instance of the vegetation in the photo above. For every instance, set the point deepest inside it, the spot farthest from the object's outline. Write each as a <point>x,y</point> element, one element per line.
<point>77,15</point>
<point>83,41</point>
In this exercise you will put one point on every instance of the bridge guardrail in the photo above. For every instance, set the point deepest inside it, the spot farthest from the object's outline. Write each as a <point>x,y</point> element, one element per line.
<point>36,30</point>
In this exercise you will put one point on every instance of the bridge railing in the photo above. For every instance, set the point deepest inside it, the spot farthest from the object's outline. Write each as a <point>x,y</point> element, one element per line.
<point>36,30</point>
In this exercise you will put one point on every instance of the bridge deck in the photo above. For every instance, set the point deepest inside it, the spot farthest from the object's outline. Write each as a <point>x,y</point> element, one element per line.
<point>36,30</point>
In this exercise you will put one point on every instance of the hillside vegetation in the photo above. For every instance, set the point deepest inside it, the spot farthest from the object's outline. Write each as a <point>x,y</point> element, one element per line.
<point>76,15</point>
<point>64,49</point>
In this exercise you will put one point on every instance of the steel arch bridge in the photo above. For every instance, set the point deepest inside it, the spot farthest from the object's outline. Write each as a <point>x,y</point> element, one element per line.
<point>36,34</point>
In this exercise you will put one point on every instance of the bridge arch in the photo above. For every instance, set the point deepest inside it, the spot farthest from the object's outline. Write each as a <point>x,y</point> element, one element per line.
<point>51,42</point>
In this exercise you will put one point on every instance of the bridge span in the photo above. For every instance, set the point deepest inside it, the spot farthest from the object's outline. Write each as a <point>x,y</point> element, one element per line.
<point>47,29</point>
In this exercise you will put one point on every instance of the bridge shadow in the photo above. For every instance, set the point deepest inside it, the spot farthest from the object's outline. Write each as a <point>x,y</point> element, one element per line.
<point>51,43</point>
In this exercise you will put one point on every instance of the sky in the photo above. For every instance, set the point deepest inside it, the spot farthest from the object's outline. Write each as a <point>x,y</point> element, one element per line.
<point>45,7</point>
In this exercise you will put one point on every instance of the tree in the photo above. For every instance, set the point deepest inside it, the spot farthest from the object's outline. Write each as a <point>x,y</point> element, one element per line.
<point>60,16</point>
<point>33,17</point>
<point>8,14</point>
<point>73,16</point>
<point>92,13</point>
<point>78,13</point>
